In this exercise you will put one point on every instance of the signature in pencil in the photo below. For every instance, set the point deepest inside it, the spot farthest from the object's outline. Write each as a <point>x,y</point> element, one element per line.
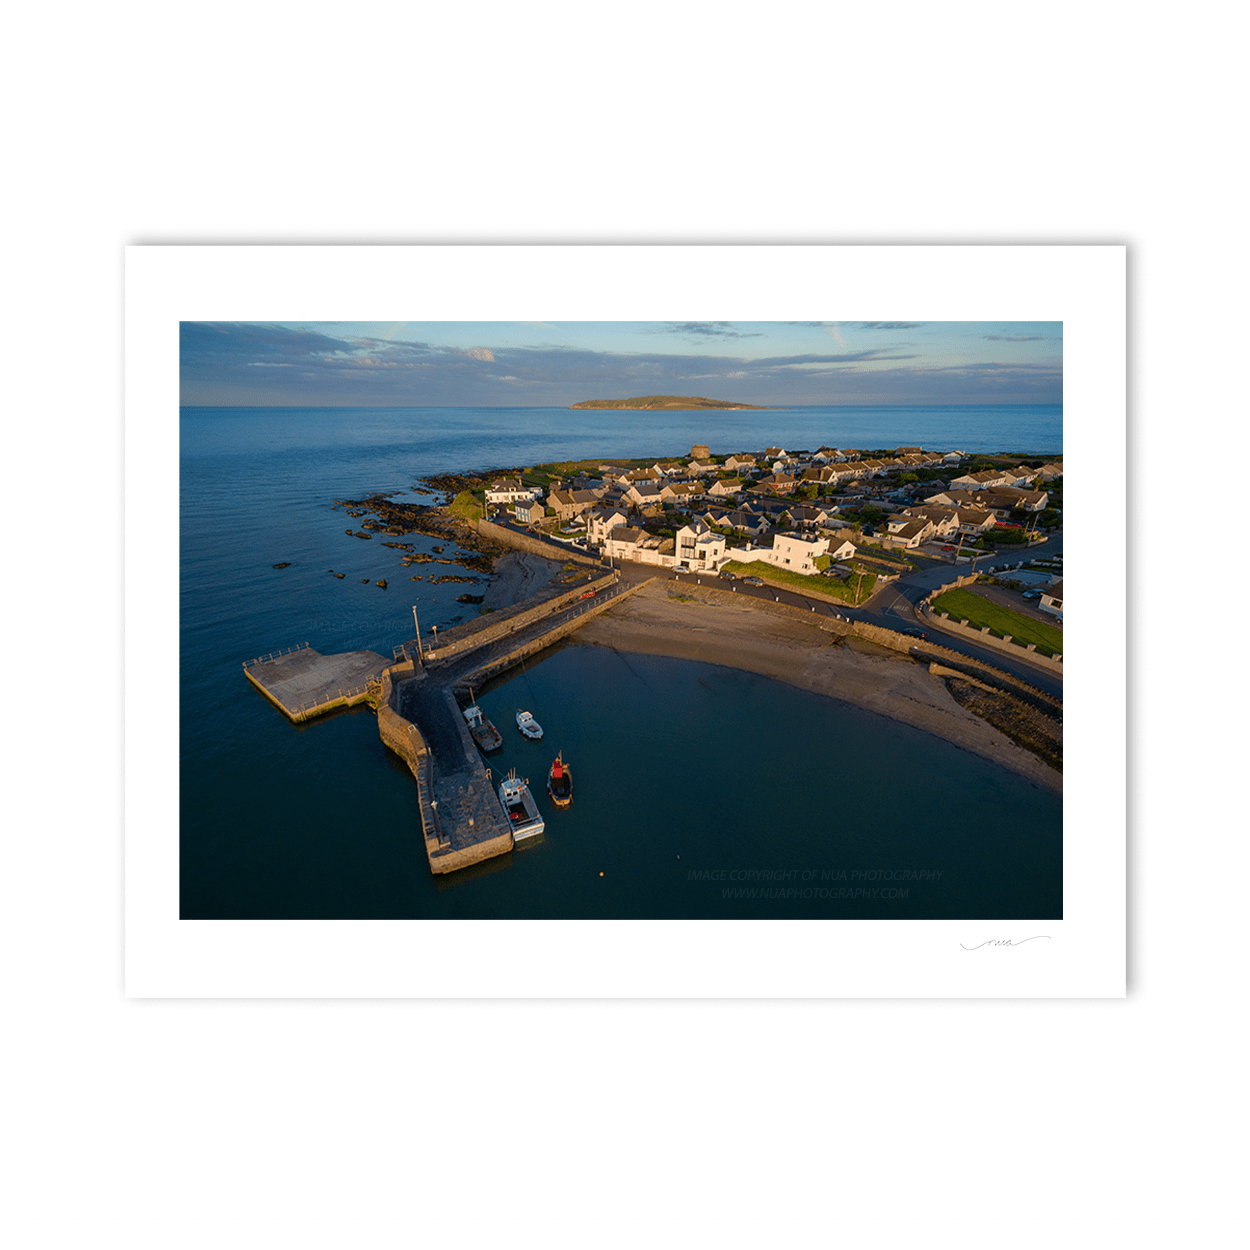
<point>1004,942</point>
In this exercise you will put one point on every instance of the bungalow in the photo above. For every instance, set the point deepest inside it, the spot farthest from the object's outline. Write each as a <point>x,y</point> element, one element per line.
<point>842,544</point>
<point>771,453</point>
<point>780,483</point>
<point>726,488</point>
<point>628,543</point>
<point>908,451</point>
<point>808,514</point>
<point>907,532</point>
<point>983,480</point>
<point>1048,472</point>
<point>643,492</point>
<point>974,520</point>
<point>734,463</point>
<point>508,490</point>
<point>748,522</point>
<point>1052,599</point>
<point>701,466</point>
<point>681,492</point>
<point>945,520</point>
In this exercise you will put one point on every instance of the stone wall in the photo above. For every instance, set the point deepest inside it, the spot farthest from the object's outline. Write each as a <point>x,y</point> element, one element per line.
<point>895,641</point>
<point>534,545</point>
<point>404,738</point>
<point>1052,664</point>
<point>534,645</point>
<point>484,629</point>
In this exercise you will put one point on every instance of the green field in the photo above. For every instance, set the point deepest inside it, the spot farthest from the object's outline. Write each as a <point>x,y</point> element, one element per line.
<point>853,591</point>
<point>1002,621</point>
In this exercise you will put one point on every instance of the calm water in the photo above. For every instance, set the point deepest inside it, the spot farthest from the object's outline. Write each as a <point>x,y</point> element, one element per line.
<point>743,778</point>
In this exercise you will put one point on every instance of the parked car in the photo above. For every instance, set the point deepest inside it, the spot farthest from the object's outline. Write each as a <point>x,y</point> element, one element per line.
<point>727,575</point>
<point>753,581</point>
<point>948,547</point>
<point>1032,594</point>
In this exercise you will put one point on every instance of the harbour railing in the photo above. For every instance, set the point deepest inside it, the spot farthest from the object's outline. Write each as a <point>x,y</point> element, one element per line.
<point>328,700</point>
<point>273,655</point>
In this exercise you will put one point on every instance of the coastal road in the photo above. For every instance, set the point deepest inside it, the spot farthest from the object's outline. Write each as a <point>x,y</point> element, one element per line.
<point>894,607</point>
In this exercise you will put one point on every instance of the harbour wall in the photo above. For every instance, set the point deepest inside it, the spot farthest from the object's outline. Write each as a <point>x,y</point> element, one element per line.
<point>534,645</point>
<point>404,738</point>
<point>486,629</point>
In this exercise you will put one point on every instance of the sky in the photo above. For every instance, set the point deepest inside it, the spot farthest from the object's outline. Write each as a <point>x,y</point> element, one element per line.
<point>546,364</point>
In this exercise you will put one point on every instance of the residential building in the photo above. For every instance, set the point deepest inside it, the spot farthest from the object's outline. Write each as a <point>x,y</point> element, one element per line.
<point>698,548</point>
<point>508,490</point>
<point>1052,599</point>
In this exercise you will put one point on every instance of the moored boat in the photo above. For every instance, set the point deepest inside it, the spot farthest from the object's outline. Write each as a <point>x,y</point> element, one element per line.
<point>520,808</point>
<point>526,723</point>
<point>487,737</point>
<point>560,782</point>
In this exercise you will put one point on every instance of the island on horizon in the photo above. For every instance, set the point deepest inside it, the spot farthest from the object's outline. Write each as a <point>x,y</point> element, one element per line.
<point>653,402</point>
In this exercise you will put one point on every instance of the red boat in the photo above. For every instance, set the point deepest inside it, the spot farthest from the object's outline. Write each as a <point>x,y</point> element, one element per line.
<point>560,782</point>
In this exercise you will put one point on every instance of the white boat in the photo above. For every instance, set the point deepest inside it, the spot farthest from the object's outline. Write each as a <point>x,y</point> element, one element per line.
<point>526,723</point>
<point>520,808</point>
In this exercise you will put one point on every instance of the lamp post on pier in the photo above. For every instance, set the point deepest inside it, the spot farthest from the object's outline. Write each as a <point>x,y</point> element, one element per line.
<point>418,627</point>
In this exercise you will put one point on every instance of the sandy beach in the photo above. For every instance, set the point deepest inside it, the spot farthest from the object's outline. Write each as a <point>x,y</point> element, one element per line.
<point>789,650</point>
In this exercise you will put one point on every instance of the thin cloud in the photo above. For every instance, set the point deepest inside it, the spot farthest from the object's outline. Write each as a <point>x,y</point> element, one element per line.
<point>1014,338</point>
<point>890,325</point>
<point>707,329</point>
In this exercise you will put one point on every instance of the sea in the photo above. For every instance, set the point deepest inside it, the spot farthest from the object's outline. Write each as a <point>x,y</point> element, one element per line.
<point>699,791</point>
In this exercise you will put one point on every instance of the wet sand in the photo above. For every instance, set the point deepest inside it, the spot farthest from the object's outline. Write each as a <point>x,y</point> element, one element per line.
<point>790,650</point>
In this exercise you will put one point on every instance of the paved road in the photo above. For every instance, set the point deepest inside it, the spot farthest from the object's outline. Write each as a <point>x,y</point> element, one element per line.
<point>893,607</point>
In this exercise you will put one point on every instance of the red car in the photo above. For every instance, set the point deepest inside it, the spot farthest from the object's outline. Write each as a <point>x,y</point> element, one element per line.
<point>947,547</point>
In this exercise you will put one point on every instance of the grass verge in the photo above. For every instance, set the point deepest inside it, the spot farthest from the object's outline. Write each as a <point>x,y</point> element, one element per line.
<point>1002,621</point>
<point>853,591</point>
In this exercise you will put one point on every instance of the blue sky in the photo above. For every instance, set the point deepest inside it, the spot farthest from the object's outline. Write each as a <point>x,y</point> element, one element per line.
<point>537,363</point>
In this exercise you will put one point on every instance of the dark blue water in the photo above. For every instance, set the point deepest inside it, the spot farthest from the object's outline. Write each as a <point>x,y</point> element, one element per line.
<point>732,772</point>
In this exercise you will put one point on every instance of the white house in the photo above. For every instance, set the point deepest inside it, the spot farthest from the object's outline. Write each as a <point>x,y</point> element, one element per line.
<point>787,552</point>
<point>628,543</point>
<point>697,547</point>
<point>508,490</point>
<point>1052,599</point>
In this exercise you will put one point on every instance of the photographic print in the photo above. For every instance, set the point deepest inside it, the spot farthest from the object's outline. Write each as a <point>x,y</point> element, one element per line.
<point>639,620</point>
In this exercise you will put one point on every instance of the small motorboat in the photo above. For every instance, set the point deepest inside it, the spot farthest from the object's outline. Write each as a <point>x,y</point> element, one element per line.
<point>526,723</point>
<point>560,782</point>
<point>487,737</point>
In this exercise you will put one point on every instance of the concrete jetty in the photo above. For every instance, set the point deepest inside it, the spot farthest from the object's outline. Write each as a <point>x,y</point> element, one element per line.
<point>303,683</point>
